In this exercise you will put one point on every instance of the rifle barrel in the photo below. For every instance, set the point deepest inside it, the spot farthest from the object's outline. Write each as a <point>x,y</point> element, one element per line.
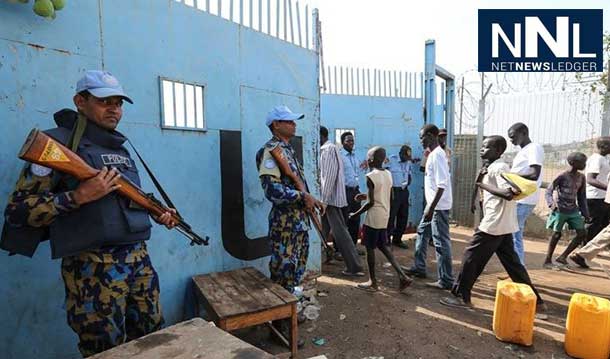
<point>41,149</point>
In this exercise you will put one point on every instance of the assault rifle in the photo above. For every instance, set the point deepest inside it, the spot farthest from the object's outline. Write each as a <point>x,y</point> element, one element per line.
<point>41,149</point>
<point>285,169</point>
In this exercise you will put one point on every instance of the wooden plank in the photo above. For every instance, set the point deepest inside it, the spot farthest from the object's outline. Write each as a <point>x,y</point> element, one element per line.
<point>237,302</point>
<point>209,309</point>
<point>264,297</point>
<point>195,338</point>
<point>294,330</point>
<point>250,319</point>
<point>222,296</point>
<point>277,289</point>
<point>211,295</point>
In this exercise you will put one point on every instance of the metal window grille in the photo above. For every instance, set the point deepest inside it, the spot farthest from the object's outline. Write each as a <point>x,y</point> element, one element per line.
<point>182,105</point>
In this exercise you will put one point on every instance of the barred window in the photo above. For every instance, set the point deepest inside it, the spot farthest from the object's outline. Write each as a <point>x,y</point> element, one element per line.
<point>182,105</point>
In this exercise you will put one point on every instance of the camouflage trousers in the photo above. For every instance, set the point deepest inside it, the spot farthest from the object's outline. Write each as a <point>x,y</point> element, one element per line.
<point>289,252</point>
<point>108,304</point>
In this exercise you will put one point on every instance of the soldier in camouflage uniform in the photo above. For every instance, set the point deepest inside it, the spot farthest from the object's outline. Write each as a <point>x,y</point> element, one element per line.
<point>112,289</point>
<point>288,221</point>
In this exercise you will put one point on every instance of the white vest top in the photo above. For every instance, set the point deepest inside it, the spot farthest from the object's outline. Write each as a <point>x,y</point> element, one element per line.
<point>377,216</point>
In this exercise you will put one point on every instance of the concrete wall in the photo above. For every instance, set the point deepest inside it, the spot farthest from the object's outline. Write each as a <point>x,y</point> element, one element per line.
<point>244,72</point>
<point>385,121</point>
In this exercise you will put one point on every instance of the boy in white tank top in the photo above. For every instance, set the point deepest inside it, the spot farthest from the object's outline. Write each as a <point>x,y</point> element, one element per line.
<point>379,183</point>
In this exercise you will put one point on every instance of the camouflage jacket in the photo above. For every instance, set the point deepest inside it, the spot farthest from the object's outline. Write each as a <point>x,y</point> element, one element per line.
<point>288,210</point>
<point>35,203</point>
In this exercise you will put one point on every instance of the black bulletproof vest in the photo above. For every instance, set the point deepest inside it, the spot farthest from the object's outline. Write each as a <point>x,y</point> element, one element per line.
<point>111,220</point>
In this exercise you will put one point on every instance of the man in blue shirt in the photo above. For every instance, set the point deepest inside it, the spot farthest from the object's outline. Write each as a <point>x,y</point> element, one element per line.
<point>399,166</point>
<point>352,168</point>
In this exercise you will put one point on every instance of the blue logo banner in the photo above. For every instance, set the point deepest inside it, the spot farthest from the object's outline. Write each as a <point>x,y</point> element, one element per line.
<point>540,40</point>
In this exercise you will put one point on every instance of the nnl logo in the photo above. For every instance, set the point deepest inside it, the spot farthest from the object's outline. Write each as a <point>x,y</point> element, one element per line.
<point>540,40</point>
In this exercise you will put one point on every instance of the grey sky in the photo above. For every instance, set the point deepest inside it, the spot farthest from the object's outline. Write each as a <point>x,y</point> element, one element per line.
<point>390,34</point>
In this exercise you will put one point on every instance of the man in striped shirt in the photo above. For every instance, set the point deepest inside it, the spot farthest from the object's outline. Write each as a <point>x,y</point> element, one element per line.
<point>333,196</point>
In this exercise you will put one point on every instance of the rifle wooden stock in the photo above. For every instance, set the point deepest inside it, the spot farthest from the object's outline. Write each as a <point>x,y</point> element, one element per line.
<point>41,149</point>
<point>284,167</point>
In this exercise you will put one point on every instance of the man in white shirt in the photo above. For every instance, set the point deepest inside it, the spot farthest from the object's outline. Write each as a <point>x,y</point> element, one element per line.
<point>528,164</point>
<point>442,141</point>
<point>333,196</point>
<point>435,220</point>
<point>495,232</point>
<point>597,171</point>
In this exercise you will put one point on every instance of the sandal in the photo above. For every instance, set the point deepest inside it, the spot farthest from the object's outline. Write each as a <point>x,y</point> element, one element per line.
<point>368,287</point>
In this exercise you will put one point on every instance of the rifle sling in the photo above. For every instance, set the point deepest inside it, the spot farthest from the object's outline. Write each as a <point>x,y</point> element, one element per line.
<point>166,198</point>
<point>77,133</point>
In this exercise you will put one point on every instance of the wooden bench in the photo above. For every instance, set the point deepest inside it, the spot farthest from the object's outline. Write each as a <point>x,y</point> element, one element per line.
<point>193,339</point>
<point>245,297</point>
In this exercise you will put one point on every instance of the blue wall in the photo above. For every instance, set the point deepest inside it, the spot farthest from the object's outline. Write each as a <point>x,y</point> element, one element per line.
<point>244,72</point>
<point>380,121</point>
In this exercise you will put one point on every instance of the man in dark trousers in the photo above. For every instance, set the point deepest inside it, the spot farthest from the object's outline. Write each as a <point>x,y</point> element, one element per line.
<point>596,172</point>
<point>352,168</point>
<point>333,196</point>
<point>495,232</point>
<point>112,289</point>
<point>399,166</point>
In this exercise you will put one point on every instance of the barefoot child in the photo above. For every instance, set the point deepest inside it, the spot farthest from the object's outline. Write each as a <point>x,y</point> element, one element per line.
<point>379,183</point>
<point>495,232</point>
<point>571,197</point>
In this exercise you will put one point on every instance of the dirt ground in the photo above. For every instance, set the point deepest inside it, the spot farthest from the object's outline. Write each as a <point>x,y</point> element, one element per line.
<point>414,324</point>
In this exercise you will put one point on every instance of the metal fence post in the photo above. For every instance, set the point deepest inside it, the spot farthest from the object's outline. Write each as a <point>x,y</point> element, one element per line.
<point>606,115</point>
<point>430,87</point>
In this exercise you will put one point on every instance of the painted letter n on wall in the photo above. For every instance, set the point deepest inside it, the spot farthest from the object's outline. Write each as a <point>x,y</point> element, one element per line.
<point>234,238</point>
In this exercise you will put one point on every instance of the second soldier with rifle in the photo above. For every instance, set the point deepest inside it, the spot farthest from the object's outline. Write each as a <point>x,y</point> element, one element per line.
<point>288,219</point>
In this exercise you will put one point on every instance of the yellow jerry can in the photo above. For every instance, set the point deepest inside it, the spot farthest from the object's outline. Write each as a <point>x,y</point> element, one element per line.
<point>514,313</point>
<point>588,327</point>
